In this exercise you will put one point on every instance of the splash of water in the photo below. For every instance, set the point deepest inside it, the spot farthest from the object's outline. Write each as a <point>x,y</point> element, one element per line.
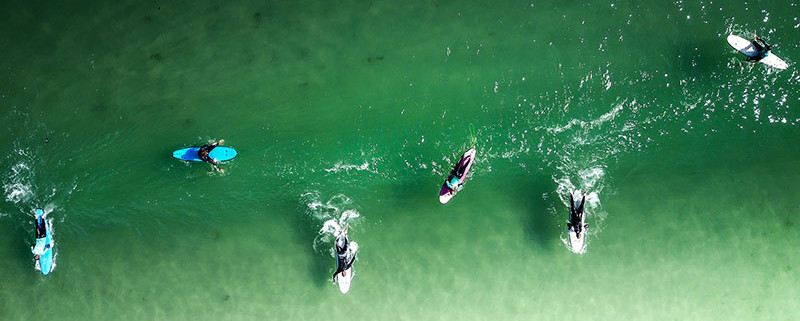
<point>334,214</point>
<point>341,166</point>
<point>17,184</point>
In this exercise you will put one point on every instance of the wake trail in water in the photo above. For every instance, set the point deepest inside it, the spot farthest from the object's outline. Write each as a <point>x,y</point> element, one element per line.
<point>579,154</point>
<point>333,215</point>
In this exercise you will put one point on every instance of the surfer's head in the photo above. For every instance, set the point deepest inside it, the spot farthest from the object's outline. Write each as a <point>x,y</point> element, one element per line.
<point>344,273</point>
<point>36,257</point>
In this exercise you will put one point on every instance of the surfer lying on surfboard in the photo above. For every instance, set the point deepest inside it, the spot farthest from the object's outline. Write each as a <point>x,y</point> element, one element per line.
<point>205,150</point>
<point>43,242</point>
<point>343,258</point>
<point>455,183</point>
<point>762,46</point>
<point>576,215</point>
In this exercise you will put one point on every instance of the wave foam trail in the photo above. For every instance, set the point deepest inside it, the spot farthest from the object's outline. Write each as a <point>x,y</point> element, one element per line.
<point>17,185</point>
<point>335,215</point>
<point>340,166</point>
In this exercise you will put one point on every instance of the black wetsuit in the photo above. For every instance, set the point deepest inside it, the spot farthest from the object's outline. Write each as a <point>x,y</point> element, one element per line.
<point>763,49</point>
<point>462,166</point>
<point>342,262</point>
<point>204,152</point>
<point>576,215</point>
<point>458,172</point>
<point>41,228</point>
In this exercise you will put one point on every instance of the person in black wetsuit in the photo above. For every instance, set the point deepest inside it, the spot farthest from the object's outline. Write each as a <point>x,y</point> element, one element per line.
<point>762,46</point>
<point>203,152</point>
<point>457,173</point>
<point>40,225</point>
<point>343,259</point>
<point>576,215</point>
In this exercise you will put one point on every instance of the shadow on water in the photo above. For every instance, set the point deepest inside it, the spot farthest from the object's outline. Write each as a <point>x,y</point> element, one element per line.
<point>540,226</point>
<point>704,58</point>
<point>23,250</point>
<point>18,228</point>
<point>306,231</point>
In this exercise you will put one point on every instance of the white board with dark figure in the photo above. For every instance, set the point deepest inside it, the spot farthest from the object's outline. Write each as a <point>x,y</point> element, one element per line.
<point>747,48</point>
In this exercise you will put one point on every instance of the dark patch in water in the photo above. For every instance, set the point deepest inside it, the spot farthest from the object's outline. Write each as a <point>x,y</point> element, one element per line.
<point>379,58</point>
<point>156,57</point>
<point>257,20</point>
<point>303,85</point>
<point>538,223</point>
<point>320,267</point>
<point>226,297</point>
<point>304,52</point>
<point>99,109</point>
<point>188,121</point>
<point>148,18</point>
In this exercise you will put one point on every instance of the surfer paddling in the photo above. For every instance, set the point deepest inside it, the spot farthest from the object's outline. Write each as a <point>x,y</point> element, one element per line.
<point>42,244</point>
<point>203,152</point>
<point>576,216</point>
<point>344,259</point>
<point>455,181</point>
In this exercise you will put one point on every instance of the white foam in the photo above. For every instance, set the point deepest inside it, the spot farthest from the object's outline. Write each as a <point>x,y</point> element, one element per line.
<point>340,166</point>
<point>17,186</point>
<point>17,192</point>
<point>334,214</point>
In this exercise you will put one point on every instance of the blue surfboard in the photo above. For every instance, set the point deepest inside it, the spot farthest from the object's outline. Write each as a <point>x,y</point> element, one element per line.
<point>219,153</point>
<point>44,246</point>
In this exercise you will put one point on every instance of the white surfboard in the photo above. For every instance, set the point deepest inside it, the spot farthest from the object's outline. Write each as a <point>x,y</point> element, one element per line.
<point>747,48</point>
<point>773,61</point>
<point>343,280</point>
<point>577,244</point>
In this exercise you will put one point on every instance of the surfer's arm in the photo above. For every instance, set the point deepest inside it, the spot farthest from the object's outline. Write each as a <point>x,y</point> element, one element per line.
<point>215,166</point>
<point>580,208</point>
<point>571,205</point>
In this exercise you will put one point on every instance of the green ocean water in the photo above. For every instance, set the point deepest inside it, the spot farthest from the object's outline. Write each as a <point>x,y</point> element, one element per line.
<point>355,111</point>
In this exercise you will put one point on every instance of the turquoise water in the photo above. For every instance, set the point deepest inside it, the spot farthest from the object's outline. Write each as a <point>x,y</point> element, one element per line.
<point>355,112</point>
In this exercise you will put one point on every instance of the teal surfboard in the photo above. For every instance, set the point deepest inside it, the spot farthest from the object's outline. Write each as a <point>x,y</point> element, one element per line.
<point>219,153</point>
<point>44,246</point>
